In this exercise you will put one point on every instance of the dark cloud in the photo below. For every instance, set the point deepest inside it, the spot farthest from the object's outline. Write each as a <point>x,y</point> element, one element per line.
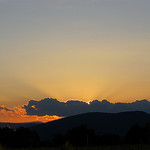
<point>50,106</point>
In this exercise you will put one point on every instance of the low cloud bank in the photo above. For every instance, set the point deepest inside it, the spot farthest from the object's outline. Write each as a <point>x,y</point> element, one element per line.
<point>19,115</point>
<point>51,109</point>
<point>49,106</point>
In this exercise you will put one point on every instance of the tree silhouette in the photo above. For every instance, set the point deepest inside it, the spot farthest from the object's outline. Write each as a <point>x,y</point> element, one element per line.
<point>22,137</point>
<point>80,136</point>
<point>25,137</point>
<point>135,135</point>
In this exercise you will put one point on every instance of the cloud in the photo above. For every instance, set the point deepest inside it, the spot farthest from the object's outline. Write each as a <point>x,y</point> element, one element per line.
<point>54,107</point>
<point>19,114</point>
<point>5,109</point>
<point>51,107</point>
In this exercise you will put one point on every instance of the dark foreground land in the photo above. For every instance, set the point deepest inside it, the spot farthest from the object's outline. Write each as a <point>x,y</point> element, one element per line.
<point>82,137</point>
<point>68,147</point>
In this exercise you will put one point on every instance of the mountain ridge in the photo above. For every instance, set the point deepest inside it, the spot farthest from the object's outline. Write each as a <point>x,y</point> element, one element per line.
<point>113,123</point>
<point>17,125</point>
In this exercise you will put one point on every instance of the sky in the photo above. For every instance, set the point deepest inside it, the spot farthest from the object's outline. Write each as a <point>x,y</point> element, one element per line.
<point>74,50</point>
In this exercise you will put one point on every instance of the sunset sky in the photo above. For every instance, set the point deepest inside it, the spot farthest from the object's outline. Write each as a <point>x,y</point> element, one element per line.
<point>74,49</point>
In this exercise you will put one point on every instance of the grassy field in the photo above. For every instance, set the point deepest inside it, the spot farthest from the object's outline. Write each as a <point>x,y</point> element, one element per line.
<point>68,147</point>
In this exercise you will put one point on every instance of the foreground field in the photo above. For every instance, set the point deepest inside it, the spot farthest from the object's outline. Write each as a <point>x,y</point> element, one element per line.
<point>125,147</point>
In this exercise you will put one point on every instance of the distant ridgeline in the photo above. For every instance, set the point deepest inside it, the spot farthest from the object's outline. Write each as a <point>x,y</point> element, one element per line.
<point>49,106</point>
<point>89,129</point>
<point>17,125</point>
<point>101,123</point>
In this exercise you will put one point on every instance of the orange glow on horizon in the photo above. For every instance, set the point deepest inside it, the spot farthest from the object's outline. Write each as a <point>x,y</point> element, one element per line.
<point>19,115</point>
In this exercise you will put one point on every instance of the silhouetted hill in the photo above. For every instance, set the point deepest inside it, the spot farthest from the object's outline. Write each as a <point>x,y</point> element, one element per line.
<point>17,125</point>
<point>49,106</point>
<point>114,123</point>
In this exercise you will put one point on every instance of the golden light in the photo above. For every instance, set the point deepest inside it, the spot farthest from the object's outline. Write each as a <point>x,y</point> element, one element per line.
<point>19,115</point>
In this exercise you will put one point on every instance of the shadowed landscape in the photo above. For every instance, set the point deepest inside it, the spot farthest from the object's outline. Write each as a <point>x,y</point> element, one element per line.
<point>14,126</point>
<point>90,131</point>
<point>101,123</point>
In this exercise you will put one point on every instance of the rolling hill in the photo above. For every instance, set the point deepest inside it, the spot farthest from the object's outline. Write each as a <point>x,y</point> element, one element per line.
<point>17,125</point>
<point>114,123</point>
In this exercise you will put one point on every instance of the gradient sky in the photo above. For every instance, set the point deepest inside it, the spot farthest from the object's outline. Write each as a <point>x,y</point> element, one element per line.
<point>74,49</point>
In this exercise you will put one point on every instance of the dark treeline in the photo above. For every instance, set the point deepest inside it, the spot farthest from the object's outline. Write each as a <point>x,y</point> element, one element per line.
<point>22,137</point>
<point>78,136</point>
<point>82,136</point>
